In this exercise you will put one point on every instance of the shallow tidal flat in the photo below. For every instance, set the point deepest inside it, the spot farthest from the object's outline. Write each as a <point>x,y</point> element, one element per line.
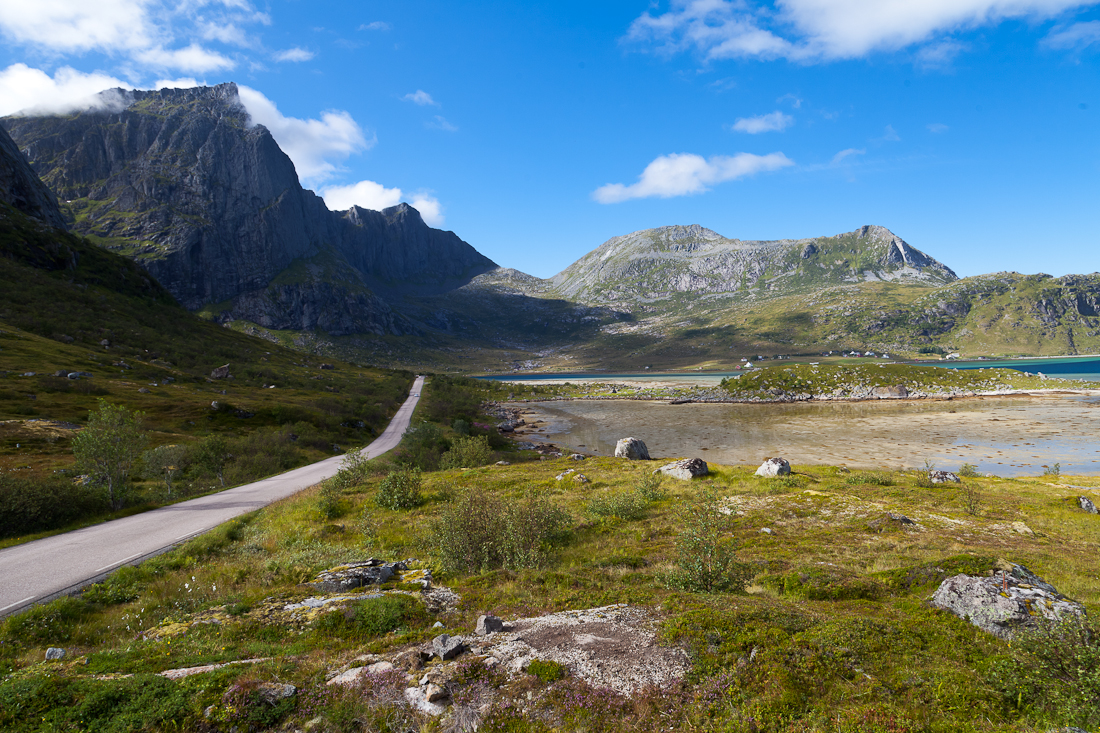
<point>1006,436</point>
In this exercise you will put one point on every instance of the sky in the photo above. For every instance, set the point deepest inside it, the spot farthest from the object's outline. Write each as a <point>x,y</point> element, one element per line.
<point>538,130</point>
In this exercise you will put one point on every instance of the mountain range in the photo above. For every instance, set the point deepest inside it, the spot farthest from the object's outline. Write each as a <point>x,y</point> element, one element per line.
<point>183,183</point>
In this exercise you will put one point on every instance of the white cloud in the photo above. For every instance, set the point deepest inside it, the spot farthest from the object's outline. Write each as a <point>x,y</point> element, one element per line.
<point>377,25</point>
<point>158,33</point>
<point>190,58</point>
<point>315,146</point>
<point>420,97</point>
<point>822,30</point>
<point>890,135</point>
<point>73,25</point>
<point>294,54</point>
<point>771,122</point>
<point>682,174</point>
<point>439,122</point>
<point>839,157</point>
<point>1075,37</point>
<point>795,102</point>
<point>33,90</point>
<point>371,195</point>
<point>937,128</point>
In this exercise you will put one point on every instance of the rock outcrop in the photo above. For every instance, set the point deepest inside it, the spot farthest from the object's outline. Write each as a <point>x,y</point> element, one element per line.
<point>1010,599</point>
<point>181,181</point>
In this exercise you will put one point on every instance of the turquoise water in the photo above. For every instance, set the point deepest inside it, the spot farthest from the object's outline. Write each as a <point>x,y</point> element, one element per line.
<point>1072,367</point>
<point>1087,367</point>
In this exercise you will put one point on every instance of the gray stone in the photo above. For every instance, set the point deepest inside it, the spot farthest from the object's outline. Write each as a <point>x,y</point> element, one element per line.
<point>1086,503</point>
<point>943,477</point>
<point>54,653</point>
<point>1012,599</point>
<point>221,372</point>
<point>576,457</point>
<point>354,575</point>
<point>488,625</point>
<point>685,469</point>
<point>774,467</point>
<point>418,701</point>
<point>896,391</point>
<point>632,449</point>
<point>275,692</point>
<point>435,693</point>
<point>447,647</point>
<point>143,390</point>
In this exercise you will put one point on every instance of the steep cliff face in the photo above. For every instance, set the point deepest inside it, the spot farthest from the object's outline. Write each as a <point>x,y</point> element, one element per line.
<point>660,263</point>
<point>21,188</point>
<point>181,181</point>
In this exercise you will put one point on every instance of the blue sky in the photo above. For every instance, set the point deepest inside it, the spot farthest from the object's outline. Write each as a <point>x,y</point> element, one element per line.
<point>536,131</point>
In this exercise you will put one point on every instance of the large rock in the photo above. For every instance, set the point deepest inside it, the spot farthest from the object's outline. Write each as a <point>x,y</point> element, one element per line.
<point>1012,599</point>
<point>1086,503</point>
<point>774,467</point>
<point>686,469</point>
<point>631,449</point>
<point>356,575</point>
<point>943,477</point>
<point>488,625</point>
<point>274,692</point>
<point>448,647</point>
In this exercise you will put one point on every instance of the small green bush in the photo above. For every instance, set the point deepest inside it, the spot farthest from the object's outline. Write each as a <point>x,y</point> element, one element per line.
<point>1054,470</point>
<point>546,670</point>
<point>461,427</point>
<point>625,505</point>
<point>650,487</point>
<point>400,489</point>
<point>968,470</point>
<point>373,617</point>
<point>467,452</point>
<point>873,478</point>
<point>32,503</point>
<point>330,499</point>
<point>478,531</point>
<point>706,562</point>
<point>1052,674</point>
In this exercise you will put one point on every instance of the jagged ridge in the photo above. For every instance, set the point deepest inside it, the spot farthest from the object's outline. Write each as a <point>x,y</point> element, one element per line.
<point>659,263</point>
<point>181,181</point>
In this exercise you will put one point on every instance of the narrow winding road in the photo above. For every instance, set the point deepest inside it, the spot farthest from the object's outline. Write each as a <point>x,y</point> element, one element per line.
<point>44,569</point>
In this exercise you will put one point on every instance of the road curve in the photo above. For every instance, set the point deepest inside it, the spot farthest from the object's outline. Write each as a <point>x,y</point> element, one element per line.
<point>44,569</point>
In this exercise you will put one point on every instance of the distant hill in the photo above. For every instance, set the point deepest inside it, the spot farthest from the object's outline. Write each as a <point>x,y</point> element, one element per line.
<point>656,264</point>
<point>180,181</point>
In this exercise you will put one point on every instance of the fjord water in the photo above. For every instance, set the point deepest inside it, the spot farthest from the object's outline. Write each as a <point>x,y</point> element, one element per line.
<point>1006,436</point>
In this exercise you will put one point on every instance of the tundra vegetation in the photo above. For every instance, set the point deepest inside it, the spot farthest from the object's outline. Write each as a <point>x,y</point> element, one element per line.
<point>820,623</point>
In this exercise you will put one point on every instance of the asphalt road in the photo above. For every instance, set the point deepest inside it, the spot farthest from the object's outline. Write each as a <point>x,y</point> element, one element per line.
<point>44,569</point>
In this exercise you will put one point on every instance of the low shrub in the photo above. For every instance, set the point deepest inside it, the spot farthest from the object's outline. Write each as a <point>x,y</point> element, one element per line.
<point>873,478</point>
<point>650,487</point>
<point>400,489</point>
<point>1052,674</point>
<point>34,504</point>
<point>478,531</point>
<point>547,671</point>
<point>624,505</point>
<point>968,470</point>
<point>706,561</point>
<point>373,617</point>
<point>467,452</point>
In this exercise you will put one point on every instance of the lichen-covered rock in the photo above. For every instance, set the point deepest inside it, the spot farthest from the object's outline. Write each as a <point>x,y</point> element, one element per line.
<point>774,467</point>
<point>448,647</point>
<point>54,653</point>
<point>1011,599</point>
<point>632,449</point>
<point>896,391</point>
<point>943,477</point>
<point>354,575</point>
<point>1086,503</point>
<point>685,469</point>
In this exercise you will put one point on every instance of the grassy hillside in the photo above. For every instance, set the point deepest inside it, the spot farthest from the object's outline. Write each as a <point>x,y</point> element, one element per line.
<point>819,624</point>
<point>62,297</point>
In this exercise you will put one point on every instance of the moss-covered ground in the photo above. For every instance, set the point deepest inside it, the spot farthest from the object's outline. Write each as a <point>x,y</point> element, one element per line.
<point>828,627</point>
